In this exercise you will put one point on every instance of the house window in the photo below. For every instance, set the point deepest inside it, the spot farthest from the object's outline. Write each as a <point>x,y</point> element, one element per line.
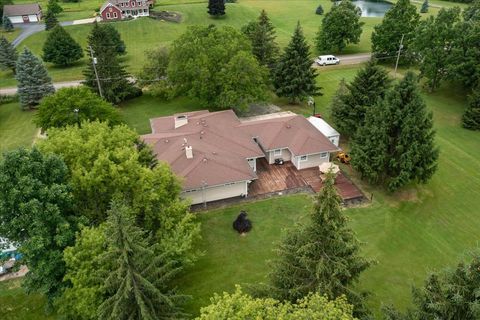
<point>145,10</point>
<point>277,152</point>
<point>303,158</point>
<point>133,3</point>
<point>115,15</point>
<point>108,15</point>
<point>121,4</point>
<point>139,3</point>
<point>323,154</point>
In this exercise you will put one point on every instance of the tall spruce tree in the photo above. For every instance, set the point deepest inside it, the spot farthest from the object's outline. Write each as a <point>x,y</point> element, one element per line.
<point>262,35</point>
<point>294,77</point>
<point>54,7</point>
<point>401,20</point>
<point>136,287</point>
<point>51,20</point>
<point>7,24</point>
<point>322,256</point>
<point>116,39</point>
<point>60,48</point>
<point>216,8</point>
<point>471,117</point>
<point>8,55</point>
<point>396,144</point>
<point>369,85</point>
<point>425,6</point>
<point>34,83</point>
<point>112,76</point>
<point>340,26</point>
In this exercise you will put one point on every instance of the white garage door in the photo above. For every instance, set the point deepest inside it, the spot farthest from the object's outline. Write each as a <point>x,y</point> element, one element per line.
<point>16,19</point>
<point>33,18</point>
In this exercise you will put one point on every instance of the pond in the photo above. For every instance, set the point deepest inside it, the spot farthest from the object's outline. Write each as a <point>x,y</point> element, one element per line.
<point>372,8</point>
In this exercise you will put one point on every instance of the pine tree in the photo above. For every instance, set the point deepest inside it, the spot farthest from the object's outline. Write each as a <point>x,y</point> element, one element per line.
<point>294,76</point>
<point>339,109</point>
<point>33,80</point>
<point>111,73</point>
<point>370,84</point>
<point>54,7</point>
<point>136,287</point>
<point>7,24</point>
<point>50,20</point>
<point>396,144</point>
<point>319,10</point>
<point>60,48</point>
<point>471,117</point>
<point>424,8</point>
<point>216,8</point>
<point>323,256</point>
<point>115,38</point>
<point>262,35</point>
<point>8,55</point>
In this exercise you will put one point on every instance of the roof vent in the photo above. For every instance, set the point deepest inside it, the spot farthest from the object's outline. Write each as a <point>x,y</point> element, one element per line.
<point>180,121</point>
<point>189,152</point>
<point>204,159</point>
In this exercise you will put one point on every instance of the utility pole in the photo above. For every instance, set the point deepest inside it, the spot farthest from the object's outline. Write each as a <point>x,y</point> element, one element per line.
<point>398,56</point>
<point>94,64</point>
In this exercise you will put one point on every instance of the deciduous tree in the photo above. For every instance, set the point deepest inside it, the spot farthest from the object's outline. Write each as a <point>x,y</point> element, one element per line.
<point>201,59</point>
<point>396,144</point>
<point>241,306</point>
<point>60,48</point>
<point>294,77</point>
<point>34,83</point>
<point>400,21</point>
<point>36,210</point>
<point>471,117</point>
<point>8,55</point>
<point>434,44</point>
<point>70,106</point>
<point>262,35</point>
<point>154,73</point>
<point>367,88</point>
<point>340,26</point>
<point>322,256</point>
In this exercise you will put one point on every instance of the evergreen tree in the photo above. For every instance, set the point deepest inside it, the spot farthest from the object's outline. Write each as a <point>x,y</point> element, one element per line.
<point>424,8</point>
<point>8,55</point>
<point>369,85</point>
<point>34,83</point>
<point>294,76</point>
<point>60,48</point>
<point>7,24</point>
<point>319,10</point>
<point>396,144</point>
<point>112,76</point>
<point>50,20</point>
<point>115,39</point>
<point>216,8</point>
<point>136,286</point>
<point>322,256</point>
<point>433,45</point>
<point>340,26</point>
<point>471,117</point>
<point>54,7</point>
<point>262,35</point>
<point>401,20</point>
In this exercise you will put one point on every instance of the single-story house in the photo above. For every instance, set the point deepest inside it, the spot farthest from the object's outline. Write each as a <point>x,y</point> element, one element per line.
<point>327,130</point>
<point>121,9</point>
<point>216,153</point>
<point>23,13</point>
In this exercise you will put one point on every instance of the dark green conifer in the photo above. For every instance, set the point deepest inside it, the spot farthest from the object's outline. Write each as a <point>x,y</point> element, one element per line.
<point>8,55</point>
<point>60,48</point>
<point>424,8</point>
<point>34,83</point>
<point>216,8</point>
<point>7,24</point>
<point>50,20</point>
<point>471,117</point>
<point>294,77</point>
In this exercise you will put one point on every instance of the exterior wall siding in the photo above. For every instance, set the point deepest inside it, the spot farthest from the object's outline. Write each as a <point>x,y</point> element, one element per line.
<point>286,155</point>
<point>313,160</point>
<point>109,13</point>
<point>217,192</point>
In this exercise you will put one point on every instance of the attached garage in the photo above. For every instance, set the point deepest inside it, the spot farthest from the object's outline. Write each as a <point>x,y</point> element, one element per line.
<point>325,129</point>
<point>23,13</point>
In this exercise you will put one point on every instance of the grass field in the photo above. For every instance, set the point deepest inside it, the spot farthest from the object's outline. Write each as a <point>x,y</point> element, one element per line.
<point>16,127</point>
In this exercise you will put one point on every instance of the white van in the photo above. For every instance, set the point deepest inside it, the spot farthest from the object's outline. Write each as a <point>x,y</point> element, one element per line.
<point>324,60</point>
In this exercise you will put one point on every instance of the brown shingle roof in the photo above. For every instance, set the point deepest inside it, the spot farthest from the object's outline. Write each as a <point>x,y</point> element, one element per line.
<point>21,9</point>
<point>222,144</point>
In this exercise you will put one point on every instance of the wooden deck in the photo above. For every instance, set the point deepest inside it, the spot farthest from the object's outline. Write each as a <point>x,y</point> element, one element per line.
<point>277,178</point>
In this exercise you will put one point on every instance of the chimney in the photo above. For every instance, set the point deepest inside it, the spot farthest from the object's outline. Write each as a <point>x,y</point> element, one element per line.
<point>189,152</point>
<point>180,121</point>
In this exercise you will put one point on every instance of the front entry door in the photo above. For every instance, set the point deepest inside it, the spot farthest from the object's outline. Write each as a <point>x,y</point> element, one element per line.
<point>25,19</point>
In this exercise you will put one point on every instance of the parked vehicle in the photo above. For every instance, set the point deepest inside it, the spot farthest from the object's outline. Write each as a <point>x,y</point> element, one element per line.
<point>326,60</point>
<point>343,157</point>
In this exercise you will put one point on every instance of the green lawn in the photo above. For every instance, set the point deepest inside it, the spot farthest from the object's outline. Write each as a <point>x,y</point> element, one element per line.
<point>16,127</point>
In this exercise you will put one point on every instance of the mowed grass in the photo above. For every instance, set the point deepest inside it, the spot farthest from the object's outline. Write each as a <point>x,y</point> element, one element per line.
<point>15,304</point>
<point>16,127</point>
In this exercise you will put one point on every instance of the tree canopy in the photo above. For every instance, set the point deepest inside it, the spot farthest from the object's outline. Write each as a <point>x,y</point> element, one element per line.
<point>8,55</point>
<point>60,48</point>
<point>340,27</point>
<point>471,117</point>
<point>216,8</point>
<point>69,106</point>
<point>203,64</point>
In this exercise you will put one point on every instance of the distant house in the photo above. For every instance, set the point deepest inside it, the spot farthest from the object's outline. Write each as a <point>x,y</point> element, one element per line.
<point>122,9</point>
<point>23,13</point>
<point>217,154</point>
